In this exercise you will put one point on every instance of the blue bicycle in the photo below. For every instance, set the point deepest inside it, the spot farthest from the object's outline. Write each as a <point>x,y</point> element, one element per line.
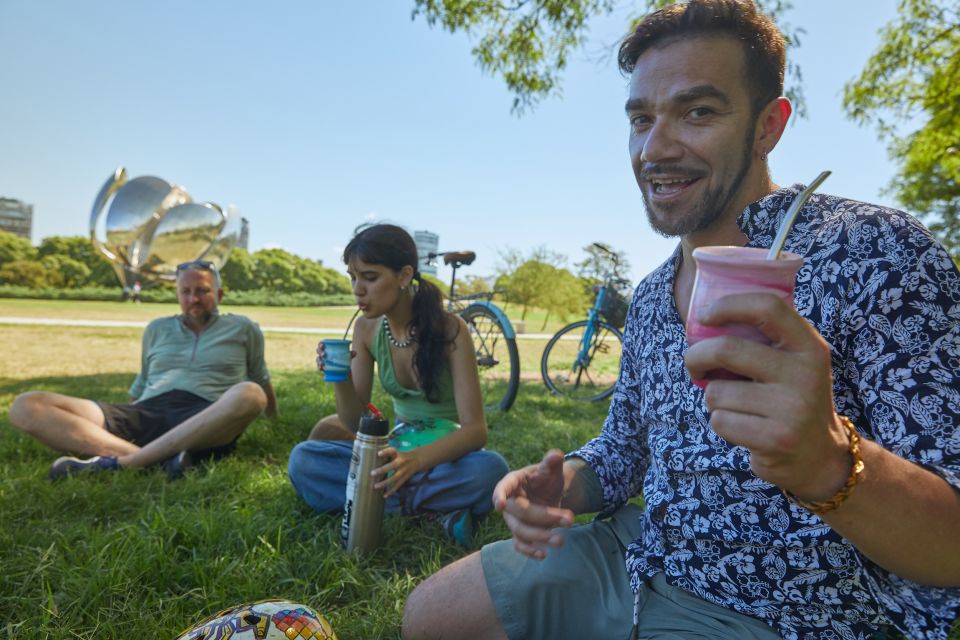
<point>582,360</point>
<point>494,338</point>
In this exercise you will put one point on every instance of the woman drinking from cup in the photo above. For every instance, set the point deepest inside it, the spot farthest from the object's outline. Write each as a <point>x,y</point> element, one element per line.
<point>435,463</point>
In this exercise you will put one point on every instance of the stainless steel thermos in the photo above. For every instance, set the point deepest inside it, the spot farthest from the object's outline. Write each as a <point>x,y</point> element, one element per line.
<point>363,507</point>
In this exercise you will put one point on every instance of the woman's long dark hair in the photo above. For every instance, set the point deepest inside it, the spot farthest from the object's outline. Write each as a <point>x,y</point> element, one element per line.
<point>391,246</point>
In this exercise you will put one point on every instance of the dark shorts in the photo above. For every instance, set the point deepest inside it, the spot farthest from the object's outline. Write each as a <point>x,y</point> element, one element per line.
<point>144,422</point>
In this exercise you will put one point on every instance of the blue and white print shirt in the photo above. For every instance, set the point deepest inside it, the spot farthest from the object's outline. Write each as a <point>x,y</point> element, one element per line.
<point>886,297</point>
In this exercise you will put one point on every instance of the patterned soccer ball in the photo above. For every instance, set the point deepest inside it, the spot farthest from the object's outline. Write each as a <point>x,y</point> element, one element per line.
<point>263,620</point>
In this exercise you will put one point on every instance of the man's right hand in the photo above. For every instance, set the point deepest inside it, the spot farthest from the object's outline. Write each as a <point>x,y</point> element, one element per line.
<point>529,500</point>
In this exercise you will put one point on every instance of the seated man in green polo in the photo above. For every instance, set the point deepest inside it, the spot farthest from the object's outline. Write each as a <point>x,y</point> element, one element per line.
<point>202,380</point>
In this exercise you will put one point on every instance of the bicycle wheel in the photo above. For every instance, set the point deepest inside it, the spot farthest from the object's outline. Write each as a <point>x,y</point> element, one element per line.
<point>591,377</point>
<point>497,358</point>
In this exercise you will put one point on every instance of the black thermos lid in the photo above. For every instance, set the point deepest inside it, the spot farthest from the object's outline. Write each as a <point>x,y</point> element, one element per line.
<point>374,426</point>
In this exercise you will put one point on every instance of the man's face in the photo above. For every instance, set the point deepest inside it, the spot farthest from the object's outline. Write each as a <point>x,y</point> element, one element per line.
<point>198,295</point>
<point>692,133</point>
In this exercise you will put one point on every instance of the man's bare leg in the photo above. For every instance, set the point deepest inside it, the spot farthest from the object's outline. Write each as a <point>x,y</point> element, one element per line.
<point>66,424</point>
<point>453,603</point>
<point>330,428</point>
<point>215,426</point>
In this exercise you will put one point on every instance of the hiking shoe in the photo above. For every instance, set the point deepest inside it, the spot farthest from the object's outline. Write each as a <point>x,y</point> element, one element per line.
<point>458,526</point>
<point>178,464</point>
<point>68,466</point>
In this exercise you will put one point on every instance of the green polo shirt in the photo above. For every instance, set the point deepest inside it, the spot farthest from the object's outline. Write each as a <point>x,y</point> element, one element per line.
<point>228,351</point>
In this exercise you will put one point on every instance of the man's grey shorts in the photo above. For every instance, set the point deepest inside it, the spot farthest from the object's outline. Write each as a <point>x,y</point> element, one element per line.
<point>582,590</point>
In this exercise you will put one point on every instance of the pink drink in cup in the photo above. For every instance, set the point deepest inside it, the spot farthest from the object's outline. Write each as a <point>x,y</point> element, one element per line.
<point>723,271</point>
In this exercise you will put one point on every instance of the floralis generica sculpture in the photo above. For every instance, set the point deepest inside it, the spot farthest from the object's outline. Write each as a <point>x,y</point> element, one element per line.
<point>151,226</point>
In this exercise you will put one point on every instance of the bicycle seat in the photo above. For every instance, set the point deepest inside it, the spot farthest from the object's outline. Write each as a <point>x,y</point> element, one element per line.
<point>460,257</point>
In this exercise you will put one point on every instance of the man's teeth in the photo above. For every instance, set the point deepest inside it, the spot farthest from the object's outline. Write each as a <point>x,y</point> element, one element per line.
<point>670,185</point>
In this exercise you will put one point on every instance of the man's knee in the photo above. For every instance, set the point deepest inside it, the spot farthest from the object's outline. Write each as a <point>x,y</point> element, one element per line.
<point>452,603</point>
<point>246,399</point>
<point>28,408</point>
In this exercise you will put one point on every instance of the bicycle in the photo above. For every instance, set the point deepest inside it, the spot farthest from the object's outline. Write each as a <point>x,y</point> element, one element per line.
<point>581,361</point>
<point>494,338</point>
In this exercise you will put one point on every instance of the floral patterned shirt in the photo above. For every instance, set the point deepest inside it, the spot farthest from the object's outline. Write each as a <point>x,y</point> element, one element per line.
<point>886,297</point>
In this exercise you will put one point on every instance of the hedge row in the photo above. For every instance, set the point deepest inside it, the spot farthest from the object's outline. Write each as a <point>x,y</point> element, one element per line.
<point>259,298</point>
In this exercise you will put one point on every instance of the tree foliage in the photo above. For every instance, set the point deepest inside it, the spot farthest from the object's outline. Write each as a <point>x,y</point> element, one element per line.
<point>24,273</point>
<point>598,264</point>
<point>281,271</point>
<point>80,249</point>
<point>540,280</point>
<point>909,91</point>
<point>72,262</point>
<point>13,247</point>
<point>529,42</point>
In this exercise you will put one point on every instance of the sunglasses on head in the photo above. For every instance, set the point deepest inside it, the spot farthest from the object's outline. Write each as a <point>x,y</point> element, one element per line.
<point>196,264</point>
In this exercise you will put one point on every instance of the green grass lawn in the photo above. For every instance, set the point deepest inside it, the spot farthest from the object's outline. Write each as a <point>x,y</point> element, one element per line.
<point>306,317</point>
<point>133,555</point>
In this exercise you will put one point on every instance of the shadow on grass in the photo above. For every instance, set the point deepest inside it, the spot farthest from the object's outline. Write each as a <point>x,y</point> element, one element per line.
<point>93,557</point>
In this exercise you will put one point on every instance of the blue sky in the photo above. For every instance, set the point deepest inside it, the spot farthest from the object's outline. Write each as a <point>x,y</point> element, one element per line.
<point>314,117</point>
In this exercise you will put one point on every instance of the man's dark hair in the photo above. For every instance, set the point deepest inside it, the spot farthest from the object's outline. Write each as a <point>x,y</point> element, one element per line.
<point>763,45</point>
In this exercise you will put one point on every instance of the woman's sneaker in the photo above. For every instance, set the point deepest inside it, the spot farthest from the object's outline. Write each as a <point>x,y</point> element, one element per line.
<point>68,466</point>
<point>458,526</point>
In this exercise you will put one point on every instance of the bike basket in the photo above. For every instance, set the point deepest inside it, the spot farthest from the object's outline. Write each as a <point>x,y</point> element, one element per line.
<point>614,309</point>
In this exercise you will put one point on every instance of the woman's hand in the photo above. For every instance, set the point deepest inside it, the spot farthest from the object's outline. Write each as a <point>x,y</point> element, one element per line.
<point>403,465</point>
<point>322,354</point>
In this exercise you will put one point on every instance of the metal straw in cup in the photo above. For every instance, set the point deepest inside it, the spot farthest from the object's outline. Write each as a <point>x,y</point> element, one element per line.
<point>350,324</point>
<point>792,212</point>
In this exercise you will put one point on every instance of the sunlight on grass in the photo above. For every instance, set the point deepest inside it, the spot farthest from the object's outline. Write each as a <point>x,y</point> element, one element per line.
<point>134,555</point>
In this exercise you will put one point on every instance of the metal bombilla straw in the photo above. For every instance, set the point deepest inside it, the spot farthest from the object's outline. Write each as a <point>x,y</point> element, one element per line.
<point>350,324</point>
<point>792,212</point>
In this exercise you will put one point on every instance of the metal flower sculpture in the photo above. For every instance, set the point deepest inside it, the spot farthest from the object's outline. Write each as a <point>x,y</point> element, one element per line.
<point>152,226</point>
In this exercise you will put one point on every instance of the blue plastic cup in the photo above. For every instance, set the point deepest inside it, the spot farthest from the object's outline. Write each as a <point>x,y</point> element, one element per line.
<point>336,361</point>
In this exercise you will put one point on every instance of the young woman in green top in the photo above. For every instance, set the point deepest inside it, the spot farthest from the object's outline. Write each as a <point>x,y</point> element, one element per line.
<point>425,360</point>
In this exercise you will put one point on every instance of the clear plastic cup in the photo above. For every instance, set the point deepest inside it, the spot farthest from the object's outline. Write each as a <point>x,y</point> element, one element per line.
<point>724,271</point>
<point>336,360</point>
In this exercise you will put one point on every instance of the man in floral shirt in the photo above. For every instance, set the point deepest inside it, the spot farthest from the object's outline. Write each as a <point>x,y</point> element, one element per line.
<point>818,497</point>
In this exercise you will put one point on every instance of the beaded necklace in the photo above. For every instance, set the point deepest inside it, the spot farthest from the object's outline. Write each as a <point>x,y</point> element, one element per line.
<point>397,343</point>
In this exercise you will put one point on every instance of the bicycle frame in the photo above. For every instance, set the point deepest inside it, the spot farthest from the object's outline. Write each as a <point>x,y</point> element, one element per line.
<point>481,299</point>
<point>491,332</point>
<point>592,323</point>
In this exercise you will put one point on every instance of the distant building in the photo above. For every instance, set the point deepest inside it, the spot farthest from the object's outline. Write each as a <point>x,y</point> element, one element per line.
<point>16,217</point>
<point>427,242</point>
<point>244,241</point>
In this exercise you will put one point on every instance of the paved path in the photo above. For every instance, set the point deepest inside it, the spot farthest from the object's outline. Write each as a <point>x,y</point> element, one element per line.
<point>66,322</point>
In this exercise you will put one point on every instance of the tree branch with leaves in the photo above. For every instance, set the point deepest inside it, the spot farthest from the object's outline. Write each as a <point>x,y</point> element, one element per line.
<point>909,91</point>
<point>528,43</point>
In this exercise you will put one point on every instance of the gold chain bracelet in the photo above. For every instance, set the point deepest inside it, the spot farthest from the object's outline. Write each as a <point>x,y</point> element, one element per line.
<point>856,474</point>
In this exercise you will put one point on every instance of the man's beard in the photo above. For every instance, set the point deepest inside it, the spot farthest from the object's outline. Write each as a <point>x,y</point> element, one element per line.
<point>703,213</point>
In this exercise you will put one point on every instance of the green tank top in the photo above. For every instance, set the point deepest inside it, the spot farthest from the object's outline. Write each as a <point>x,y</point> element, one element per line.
<point>412,405</point>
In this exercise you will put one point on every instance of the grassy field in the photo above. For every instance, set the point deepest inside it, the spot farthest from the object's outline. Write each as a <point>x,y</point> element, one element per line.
<point>133,555</point>
<point>304,317</point>
<point>49,349</point>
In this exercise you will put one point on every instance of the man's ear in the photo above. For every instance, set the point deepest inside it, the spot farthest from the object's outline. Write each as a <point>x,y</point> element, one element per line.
<point>770,125</point>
